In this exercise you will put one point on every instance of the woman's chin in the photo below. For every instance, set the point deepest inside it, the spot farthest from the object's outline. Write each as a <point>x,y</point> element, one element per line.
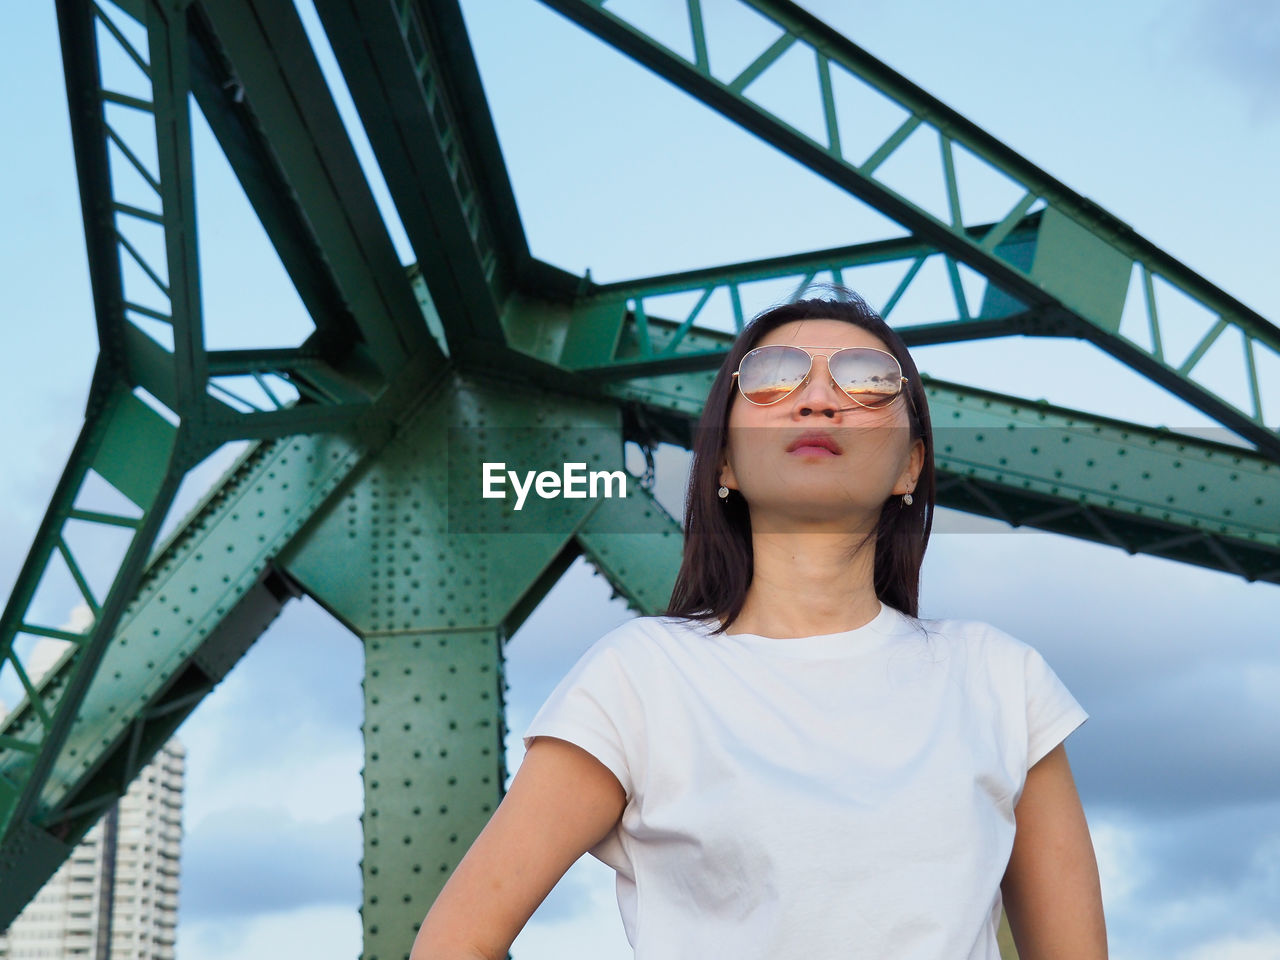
<point>816,514</point>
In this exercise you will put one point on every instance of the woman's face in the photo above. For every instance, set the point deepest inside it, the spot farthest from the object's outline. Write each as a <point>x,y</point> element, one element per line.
<point>808,488</point>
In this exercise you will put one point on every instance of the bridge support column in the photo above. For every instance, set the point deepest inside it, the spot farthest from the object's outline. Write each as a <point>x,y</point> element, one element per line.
<point>433,774</point>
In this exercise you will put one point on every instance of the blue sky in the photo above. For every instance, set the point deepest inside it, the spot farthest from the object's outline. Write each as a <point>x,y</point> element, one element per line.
<point>1163,113</point>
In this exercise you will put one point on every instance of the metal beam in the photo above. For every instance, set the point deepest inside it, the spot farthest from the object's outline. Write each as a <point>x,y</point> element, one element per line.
<point>137,452</point>
<point>613,335</point>
<point>278,92</point>
<point>124,441</point>
<point>1085,258</point>
<point>165,654</point>
<point>232,119</point>
<point>206,596</point>
<point>1105,480</point>
<point>434,579</point>
<point>1194,499</point>
<point>411,74</point>
<point>637,546</point>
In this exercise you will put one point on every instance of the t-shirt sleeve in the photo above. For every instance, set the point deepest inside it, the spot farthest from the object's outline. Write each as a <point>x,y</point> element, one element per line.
<point>1052,712</point>
<point>595,707</point>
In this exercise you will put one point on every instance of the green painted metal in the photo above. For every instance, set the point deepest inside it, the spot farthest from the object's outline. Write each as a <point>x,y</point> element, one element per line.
<point>434,770</point>
<point>601,354</point>
<point>592,335</point>
<point>283,96</point>
<point>297,239</point>
<point>1067,250</point>
<point>46,762</point>
<point>418,507</point>
<point>1222,514</point>
<point>638,547</point>
<point>136,441</point>
<point>19,616</point>
<point>1153,491</point>
<point>417,90</point>
<point>434,587</point>
<point>1080,233</point>
<point>29,749</point>
<point>30,857</point>
<point>167,59</point>
<point>206,595</point>
<point>123,440</point>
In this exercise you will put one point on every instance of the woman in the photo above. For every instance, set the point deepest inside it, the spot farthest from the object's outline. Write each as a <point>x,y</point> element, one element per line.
<point>789,763</point>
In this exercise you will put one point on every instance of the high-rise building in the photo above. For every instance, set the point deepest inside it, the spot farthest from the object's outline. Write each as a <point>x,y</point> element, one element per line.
<point>120,884</point>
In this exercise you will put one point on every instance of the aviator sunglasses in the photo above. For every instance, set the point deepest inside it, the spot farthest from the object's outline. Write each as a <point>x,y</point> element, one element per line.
<point>867,376</point>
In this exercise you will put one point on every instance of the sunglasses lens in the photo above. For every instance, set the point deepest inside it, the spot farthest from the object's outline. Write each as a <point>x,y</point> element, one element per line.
<point>871,377</point>
<point>769,373</point>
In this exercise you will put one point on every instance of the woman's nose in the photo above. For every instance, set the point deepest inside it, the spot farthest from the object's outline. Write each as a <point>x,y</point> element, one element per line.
<point>820,391</point>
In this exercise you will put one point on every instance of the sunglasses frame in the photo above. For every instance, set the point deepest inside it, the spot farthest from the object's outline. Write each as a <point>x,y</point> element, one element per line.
<point>806,347</point>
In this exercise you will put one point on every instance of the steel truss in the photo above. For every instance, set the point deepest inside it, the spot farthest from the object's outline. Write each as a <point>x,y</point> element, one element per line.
<point>353,492</point>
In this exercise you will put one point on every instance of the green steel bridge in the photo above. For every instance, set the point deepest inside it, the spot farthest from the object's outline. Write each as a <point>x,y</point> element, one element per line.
<point>352,489</point>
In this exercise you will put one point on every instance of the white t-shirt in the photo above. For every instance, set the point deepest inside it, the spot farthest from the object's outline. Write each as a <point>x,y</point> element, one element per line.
<point>847,795</point>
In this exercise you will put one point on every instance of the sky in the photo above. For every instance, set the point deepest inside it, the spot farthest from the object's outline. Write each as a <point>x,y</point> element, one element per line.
<point>1164,113</point>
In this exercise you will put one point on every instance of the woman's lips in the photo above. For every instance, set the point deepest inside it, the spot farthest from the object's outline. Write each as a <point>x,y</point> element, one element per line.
<point>814,438</point>
<point>809,450</point>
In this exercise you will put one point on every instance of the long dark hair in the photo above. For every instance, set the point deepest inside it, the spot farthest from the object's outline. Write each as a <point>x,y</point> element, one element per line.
<point>718,563</point>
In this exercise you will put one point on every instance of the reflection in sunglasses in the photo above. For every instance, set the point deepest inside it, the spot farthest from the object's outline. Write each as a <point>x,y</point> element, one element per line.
<point>868,376</point>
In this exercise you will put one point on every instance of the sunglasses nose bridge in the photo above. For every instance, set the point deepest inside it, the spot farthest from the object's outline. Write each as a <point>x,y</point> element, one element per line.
<point>809,377</point>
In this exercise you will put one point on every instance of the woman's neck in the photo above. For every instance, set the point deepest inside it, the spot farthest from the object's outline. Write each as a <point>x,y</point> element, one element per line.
<point>805,585</point>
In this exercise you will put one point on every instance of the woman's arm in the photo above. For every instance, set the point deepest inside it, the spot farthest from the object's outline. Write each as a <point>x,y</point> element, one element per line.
<point>1051,890</point>
<point>561,803</point>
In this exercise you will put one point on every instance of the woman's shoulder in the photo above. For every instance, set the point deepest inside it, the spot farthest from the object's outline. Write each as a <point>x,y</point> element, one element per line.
<point>649,632</point>
<point>994,651</point>
<point>974,633</point>
<point>638,652</point>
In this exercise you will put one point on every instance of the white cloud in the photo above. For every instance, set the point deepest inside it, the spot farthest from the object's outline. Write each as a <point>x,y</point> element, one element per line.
<point>1263,946</point>
<point>284,724</point>
<point>47,651</point>
<point>317,931</point>
<point>79,619</point>
<point>315,786</point>
<point>262,859</point>
<point>42,657</point>
<point>593,930</point>
<point>1116,849</point>
<point>1241,42</point>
